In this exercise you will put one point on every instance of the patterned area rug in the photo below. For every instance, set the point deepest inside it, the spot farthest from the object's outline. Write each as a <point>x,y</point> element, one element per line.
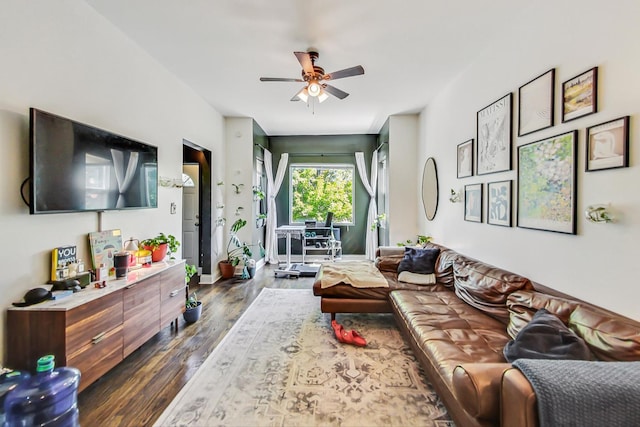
<point>281,365</point>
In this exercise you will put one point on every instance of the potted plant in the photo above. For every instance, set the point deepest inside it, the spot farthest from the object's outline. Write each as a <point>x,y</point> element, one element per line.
<point>190,271</point>
<point>236,250</point>
<point>193,309</point>
<point>420,241</point>
<point>161,246</point>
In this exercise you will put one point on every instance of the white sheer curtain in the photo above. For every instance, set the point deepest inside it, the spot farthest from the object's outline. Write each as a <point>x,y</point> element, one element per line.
<point>370,186</point>
<point>124,177</point>
<point>273,186</point>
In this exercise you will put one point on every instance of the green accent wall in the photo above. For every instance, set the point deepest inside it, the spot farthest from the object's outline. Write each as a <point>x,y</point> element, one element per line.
<point>326,149</point>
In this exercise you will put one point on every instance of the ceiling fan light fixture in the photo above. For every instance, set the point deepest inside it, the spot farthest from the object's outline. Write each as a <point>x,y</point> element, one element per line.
<point>314,88</point>
<point>323,95</point>
<point>303,95</point>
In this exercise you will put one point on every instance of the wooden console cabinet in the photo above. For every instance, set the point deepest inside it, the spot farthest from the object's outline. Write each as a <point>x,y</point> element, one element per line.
<point>95,329</point>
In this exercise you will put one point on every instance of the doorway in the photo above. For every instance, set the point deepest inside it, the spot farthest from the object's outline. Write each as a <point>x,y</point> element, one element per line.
<point>196,208</point>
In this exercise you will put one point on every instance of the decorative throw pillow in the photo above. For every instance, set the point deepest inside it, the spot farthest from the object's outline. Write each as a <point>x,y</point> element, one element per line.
<point>418,260</point>
<point>417,279</point>
<point>546,337</point>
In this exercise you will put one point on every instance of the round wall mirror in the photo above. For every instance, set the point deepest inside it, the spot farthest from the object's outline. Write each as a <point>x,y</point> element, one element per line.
<point>430,188</point>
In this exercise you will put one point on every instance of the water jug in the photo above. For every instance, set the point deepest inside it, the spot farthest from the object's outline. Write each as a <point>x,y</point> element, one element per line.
<point>47,399</point>
<point>8,381</point>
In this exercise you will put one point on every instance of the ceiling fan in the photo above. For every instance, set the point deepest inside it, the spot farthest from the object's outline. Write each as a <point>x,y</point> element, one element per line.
<point>315,78</point>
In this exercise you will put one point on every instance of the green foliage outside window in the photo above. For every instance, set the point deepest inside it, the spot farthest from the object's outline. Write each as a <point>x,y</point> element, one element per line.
<point>317,190</point>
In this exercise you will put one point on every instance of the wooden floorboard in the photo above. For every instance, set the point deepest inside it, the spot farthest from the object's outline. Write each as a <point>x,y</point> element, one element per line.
<point>135,392</point>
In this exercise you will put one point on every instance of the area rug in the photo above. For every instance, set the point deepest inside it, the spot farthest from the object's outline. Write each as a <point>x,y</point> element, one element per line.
<point>281,365</point>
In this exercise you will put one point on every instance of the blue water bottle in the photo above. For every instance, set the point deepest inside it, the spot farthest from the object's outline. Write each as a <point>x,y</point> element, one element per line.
<point>8,381</point>
<point>50,398</point>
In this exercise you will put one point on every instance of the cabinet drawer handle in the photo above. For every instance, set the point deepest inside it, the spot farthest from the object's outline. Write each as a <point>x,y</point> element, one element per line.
<point>98,338</point>
<point>130,286</point>
<point>174,293</point>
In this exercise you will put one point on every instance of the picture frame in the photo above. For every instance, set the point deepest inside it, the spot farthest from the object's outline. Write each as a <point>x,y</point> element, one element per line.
<point>580,95</point>
<point>608,145</point>
<point>535,103</point>
<point>493,138</point>
<point>499,203</point>
<point>547,189</point>
<point>473,202</point>
<point>465,159</point>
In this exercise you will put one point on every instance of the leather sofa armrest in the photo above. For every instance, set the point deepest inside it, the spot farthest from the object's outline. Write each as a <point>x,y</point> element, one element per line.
<point>518,400</point>
<point>389,250</point>
<point>477,387</point>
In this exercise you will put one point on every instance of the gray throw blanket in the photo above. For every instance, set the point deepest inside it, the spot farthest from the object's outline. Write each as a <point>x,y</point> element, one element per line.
<point>582,393</point>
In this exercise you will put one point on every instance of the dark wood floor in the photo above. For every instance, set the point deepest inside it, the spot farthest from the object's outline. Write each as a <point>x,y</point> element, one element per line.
<point>136,391</point>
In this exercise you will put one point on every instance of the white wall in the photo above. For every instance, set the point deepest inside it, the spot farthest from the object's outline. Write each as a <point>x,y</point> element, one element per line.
<point>64,58</point>
<point>239,170</point>
<point>403,187</point>
<point>600,263</point>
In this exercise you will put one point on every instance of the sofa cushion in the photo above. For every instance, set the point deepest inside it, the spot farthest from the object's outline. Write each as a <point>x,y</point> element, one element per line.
<point>546,337</point>
<point>448,331</point>
<point>523,305</point>
<point>486,287</point>
<point>418,260</point>
<point>444,264</point>
<point>610,338</point>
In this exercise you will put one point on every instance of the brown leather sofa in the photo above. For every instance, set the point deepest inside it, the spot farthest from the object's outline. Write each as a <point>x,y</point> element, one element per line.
<point>459,326</point>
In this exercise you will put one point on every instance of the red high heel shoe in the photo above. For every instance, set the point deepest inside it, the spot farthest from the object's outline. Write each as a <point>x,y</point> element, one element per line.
<point>347,337</point>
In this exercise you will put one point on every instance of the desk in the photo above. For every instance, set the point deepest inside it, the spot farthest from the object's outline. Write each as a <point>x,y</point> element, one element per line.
<point>289,231</point>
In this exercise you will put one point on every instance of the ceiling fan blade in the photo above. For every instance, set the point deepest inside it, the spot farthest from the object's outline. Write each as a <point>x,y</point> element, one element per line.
<point>347,72</point>
<point>278,79</point>
<point>305,61</point>
<point>335,91</point>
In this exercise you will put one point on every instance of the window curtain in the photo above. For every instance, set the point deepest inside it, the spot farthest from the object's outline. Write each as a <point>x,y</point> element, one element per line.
<point>273,186</point>
<point>124,177</point>
<point>370,186</point>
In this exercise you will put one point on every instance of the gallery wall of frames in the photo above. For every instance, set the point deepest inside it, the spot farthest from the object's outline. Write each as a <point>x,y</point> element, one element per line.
<point>546,181</point>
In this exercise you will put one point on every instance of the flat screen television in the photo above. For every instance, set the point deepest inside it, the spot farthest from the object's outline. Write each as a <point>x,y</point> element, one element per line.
<point>75,167</point>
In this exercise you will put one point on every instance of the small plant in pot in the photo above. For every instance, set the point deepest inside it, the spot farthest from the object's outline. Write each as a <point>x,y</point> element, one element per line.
<point>237,250</point>
<point>193,309</point>
<point>161,246</point>
<point>190,270</point>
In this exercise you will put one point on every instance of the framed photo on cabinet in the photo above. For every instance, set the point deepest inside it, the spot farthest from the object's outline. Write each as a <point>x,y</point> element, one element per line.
<point>608,145</point>
<point>494,131</point>
<point>473,202</point>
<point>465,159</point>
<point>580,95</point>
<point>547,184</point>
<point>499,203</point>
<point>535,103</point>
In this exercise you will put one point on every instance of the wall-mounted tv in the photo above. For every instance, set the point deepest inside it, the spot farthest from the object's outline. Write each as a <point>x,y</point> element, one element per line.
<point>75,167</point>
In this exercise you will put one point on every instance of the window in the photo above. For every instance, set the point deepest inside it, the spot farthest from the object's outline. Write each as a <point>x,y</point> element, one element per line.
<point>318,189</point>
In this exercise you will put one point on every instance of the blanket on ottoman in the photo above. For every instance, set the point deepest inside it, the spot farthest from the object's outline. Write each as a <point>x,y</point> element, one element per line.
<point>359,274</point>
<point>584,393</point>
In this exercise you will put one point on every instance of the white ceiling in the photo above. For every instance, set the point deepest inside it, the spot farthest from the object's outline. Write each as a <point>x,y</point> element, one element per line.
<point>409,49</point>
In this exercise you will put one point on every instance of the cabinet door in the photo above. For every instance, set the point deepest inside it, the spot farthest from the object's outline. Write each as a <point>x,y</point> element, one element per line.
<point>97,358</point>
<point>88,322</point>
<point>141,313</point>
<point>173,294</point>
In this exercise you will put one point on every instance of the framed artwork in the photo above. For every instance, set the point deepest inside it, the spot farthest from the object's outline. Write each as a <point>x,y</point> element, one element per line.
<point>499,203</point>
<point>494,137</point>
<point>473,202</point>
<point>608,145</point>
<point>465,159</point>
<point>547,184</point>
<point>580,95</point>
<point>535,103</point>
